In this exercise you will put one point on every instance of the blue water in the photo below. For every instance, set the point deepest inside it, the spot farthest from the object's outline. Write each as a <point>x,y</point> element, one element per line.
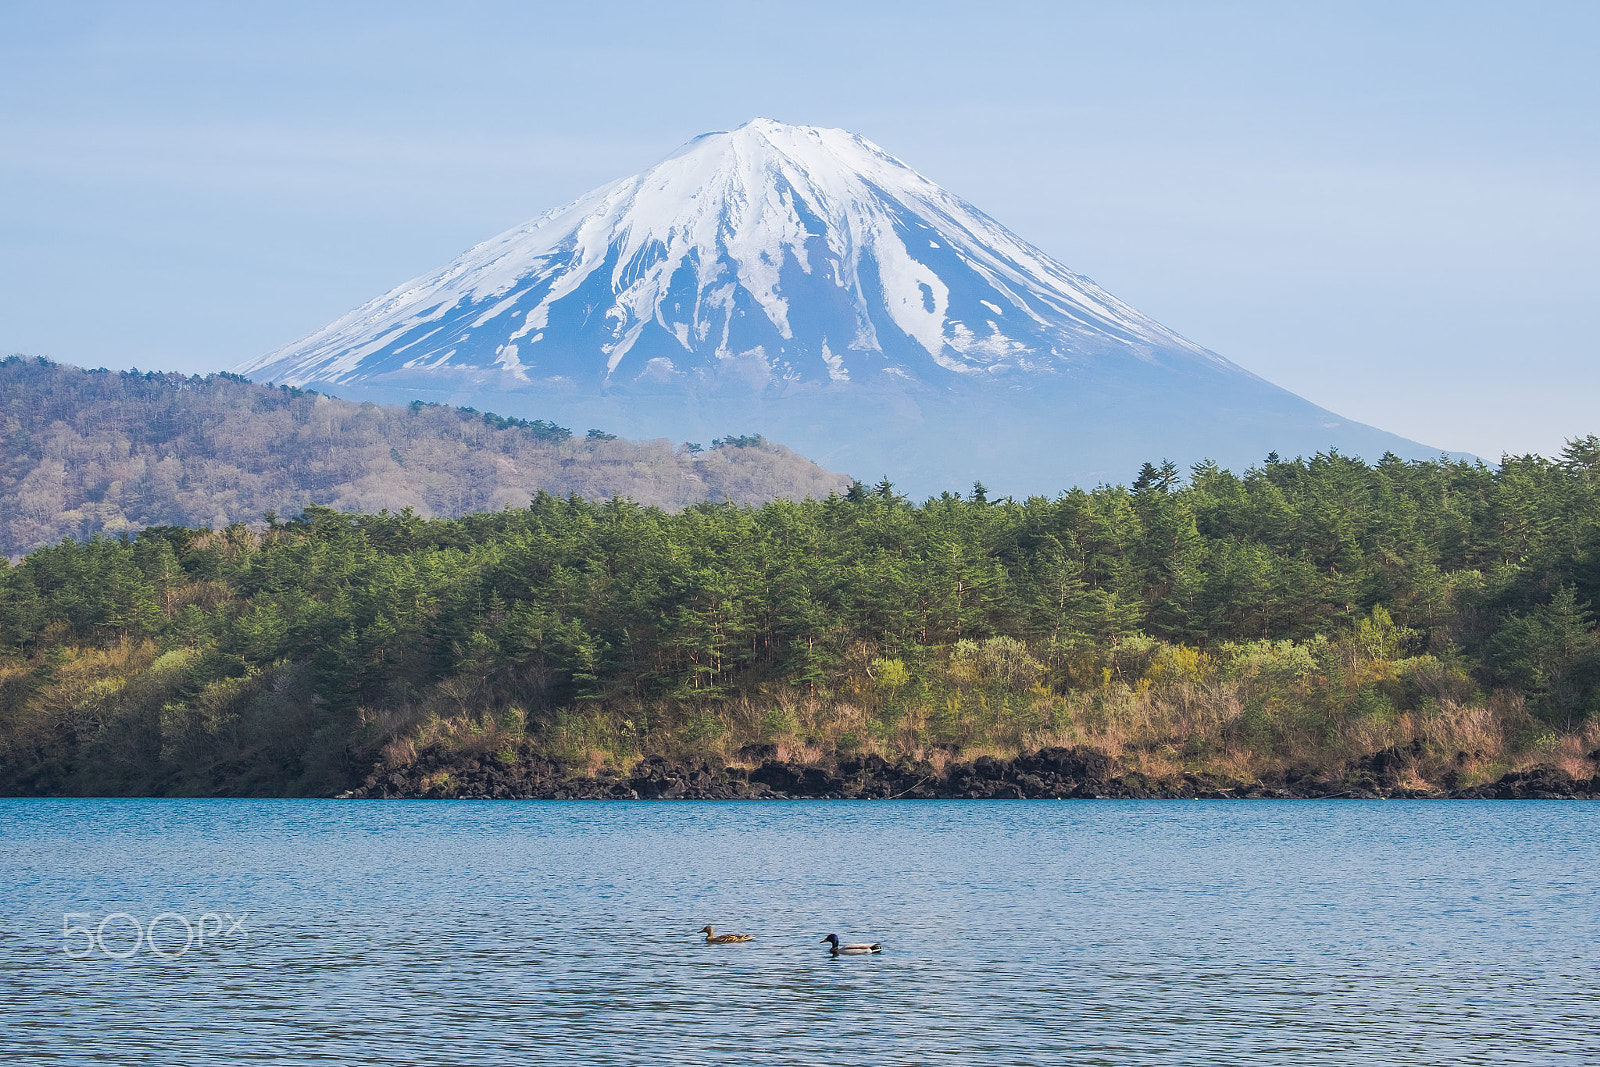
<point>523,933</point>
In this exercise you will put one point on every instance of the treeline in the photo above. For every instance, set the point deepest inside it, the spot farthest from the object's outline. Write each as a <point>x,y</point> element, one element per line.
<point>1304,614</point>
<point>86,452</point>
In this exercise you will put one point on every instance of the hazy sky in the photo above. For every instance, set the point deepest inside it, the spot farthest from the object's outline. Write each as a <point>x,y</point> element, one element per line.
<point>1389,208</point>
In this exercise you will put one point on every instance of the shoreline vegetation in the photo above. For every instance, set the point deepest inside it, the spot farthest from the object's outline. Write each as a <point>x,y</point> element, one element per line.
<point>1316,627</point>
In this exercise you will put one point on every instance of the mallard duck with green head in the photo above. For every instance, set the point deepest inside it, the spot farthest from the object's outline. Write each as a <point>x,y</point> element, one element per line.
<point>860,948</point>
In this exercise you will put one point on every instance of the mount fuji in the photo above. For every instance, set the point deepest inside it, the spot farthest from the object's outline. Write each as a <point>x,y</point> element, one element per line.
<point>804,284</point>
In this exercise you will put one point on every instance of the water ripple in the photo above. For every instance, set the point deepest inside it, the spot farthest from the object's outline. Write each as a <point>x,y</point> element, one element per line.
<point>1107,933</point>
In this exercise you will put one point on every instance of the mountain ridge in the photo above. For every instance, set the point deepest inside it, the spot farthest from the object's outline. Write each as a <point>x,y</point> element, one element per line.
<point>87,452</point>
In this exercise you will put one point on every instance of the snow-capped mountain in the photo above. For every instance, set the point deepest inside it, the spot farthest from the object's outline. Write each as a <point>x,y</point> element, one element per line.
<point>802,283</point>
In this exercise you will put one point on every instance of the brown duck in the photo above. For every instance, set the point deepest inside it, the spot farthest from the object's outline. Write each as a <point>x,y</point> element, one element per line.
<point>714,938</point>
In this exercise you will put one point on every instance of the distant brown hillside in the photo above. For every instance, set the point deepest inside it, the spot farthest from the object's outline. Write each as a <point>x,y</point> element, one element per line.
<point>106,451</point>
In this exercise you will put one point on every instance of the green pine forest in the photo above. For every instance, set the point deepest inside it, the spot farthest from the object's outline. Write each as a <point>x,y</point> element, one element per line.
<point>1300,616</point>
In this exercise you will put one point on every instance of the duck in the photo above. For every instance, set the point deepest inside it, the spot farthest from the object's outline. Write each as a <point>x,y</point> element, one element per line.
<point>859,949</point>
<point>714,938</point>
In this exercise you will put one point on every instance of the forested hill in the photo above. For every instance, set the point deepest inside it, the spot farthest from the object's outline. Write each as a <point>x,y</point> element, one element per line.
<point>85,452</point>
<point>1320,620</point>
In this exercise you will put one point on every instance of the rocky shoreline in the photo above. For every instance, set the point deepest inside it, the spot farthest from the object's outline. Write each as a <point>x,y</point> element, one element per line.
<point>1051,773</point>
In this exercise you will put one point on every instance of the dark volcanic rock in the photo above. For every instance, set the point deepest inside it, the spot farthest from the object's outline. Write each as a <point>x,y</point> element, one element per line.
<point>1535,783</point>
<point>1058,773</point>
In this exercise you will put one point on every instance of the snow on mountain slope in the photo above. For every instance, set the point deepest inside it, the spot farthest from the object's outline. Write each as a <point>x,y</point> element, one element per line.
<point>803,283</point>
<point>812,250</point>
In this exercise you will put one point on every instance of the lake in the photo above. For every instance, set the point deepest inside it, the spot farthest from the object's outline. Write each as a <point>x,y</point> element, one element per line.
<point>1109,932</point>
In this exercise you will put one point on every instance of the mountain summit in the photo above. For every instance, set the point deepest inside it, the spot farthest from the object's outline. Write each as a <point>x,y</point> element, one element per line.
<point>803,283</point>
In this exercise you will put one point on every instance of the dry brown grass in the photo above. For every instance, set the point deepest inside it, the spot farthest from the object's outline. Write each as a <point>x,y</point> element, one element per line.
<point>798,752</point>
<point>1250,713</point>
<point>399,752</point>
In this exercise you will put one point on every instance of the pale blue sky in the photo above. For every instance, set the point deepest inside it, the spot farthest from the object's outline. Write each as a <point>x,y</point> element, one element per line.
<point>1390,208</point>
